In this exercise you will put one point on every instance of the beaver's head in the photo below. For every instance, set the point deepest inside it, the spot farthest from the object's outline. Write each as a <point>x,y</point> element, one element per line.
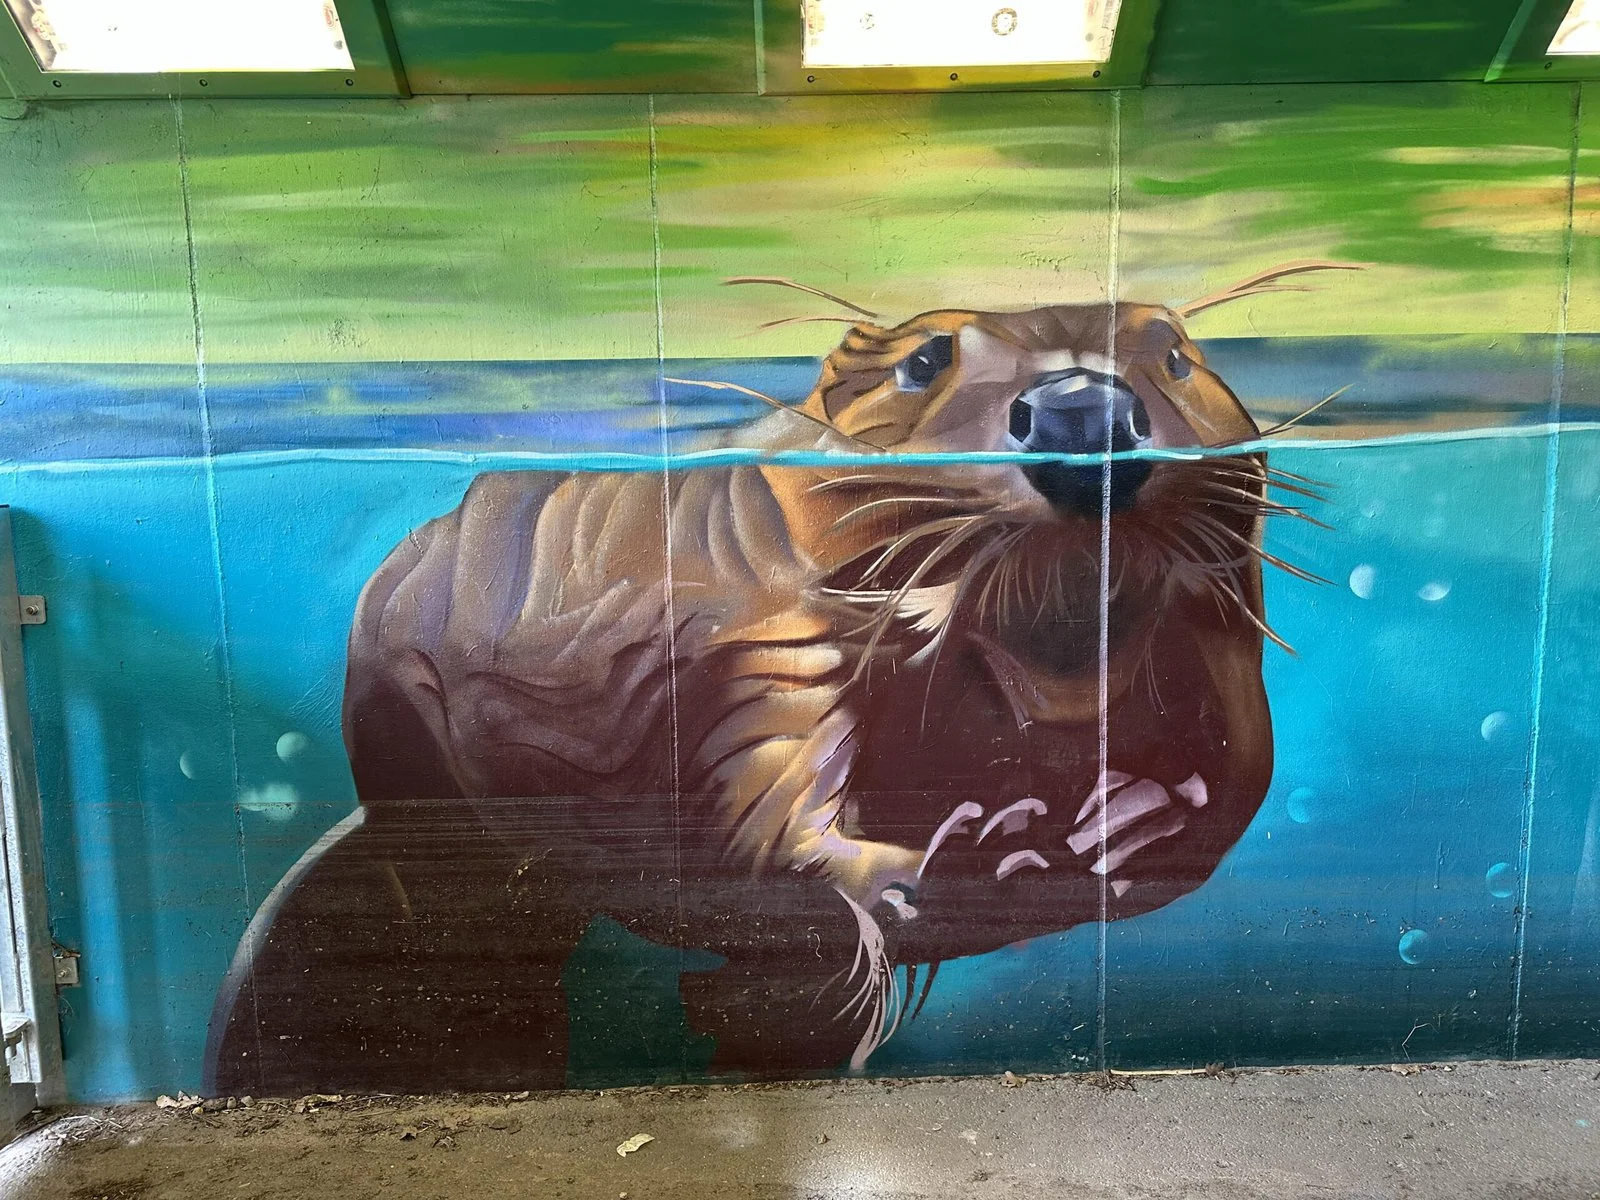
<point>1066,380</point>
<point>1008,553</point>
<point>1057,658</point>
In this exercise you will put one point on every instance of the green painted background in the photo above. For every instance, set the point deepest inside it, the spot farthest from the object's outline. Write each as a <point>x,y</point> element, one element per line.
<point>530,227</point>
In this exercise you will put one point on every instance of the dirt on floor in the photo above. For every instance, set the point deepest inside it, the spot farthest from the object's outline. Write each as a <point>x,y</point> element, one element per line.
<point>1513,1131</point>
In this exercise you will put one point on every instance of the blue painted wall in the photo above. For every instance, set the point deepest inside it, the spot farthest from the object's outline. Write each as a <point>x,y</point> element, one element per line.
<point>1424,877</point>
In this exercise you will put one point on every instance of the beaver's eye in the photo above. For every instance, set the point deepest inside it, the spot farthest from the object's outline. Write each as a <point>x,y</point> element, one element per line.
<point>917,371</point>
<point>1177,365</point>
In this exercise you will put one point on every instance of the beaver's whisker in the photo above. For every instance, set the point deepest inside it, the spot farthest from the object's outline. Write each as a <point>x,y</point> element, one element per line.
<point>1252,491</point>
<point>952,541</point>
<point>1206,530</point>
<point>765,325</point>
<point>859,509</point>
<point>1266,281</point>
<point>1290,475</point>
<point>1251,472</point>
<point>864,995</point>
<point>1296,490</point>
<point>839,481</point>
<point>927,986</point>
<point>1009,572</point>
<point>994,551</point>
<point>832,979</point>
<point>865,480</point>
<point>1211,559</point>
<point>901,545</point>
<point>1269,477</point>
<point>1041,588</point>
<point>1281,426</point>
<point>1216,593</point>
<point>858,999</point>
<point>961,530</point>
<point>1227,487</point>
<point>1253,505</point>
<point>1010,584</point>
<point>1005,566</point>
<point>880,989</point>
<point>1267,631</point>
<point>1207,566</point>
<point>780,281</point>
<point>901,542</point>
<point>1264,555</point>
<point>1251,481</point>
<point>1254,480</point>
<point>1274,510</point>
<point>986,593</point>
<point>1178,551</point>
<point>720,386</point>
<point>1115,589</point>
<point>1147,668</point>
<point>1223,586</point>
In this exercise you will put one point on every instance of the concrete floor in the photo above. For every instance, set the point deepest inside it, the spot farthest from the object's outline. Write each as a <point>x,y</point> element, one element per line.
<point>1518,1132</point>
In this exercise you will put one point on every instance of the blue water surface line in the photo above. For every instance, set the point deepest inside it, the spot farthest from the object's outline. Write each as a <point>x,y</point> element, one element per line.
<point>735,456</point>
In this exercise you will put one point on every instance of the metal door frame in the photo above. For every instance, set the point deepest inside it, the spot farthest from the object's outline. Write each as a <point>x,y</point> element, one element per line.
<point>32,1029</point>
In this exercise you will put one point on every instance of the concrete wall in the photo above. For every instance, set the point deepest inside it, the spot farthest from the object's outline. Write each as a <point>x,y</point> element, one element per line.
<point>249,348</point>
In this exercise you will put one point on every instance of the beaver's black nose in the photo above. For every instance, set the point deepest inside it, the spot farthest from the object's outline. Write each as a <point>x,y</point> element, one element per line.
<point>1067,412</point>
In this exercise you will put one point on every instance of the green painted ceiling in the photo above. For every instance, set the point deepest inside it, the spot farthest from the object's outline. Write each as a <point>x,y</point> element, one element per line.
<point>454,46</point>
<point>1314,41</point>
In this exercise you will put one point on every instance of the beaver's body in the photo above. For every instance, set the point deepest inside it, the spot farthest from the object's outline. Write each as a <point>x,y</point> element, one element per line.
<point>818,720</point>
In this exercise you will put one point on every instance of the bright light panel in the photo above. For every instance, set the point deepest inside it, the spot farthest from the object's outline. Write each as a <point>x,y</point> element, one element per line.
<point>957,33</point>
<point>1580,31</point>
<point>144,37</point>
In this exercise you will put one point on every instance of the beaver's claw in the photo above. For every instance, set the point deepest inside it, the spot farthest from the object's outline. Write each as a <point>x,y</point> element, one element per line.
<point>955,823</point>
<point>1123,815</point>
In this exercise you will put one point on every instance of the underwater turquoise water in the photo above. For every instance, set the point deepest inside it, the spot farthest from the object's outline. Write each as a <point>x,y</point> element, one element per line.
<point>1422,881</point>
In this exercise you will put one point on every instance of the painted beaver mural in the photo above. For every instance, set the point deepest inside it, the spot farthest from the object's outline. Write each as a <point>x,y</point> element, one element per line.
<point>821,720</point>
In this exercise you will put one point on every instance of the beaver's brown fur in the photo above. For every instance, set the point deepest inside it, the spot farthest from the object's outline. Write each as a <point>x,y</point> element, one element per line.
<point>824,719</point>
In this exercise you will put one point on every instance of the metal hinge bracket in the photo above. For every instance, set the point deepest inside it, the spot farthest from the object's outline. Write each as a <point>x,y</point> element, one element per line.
<point>66,966</point>
<point>31,610</point>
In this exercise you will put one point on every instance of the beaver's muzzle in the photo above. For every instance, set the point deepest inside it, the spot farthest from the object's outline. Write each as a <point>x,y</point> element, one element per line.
<point>1081,412</point>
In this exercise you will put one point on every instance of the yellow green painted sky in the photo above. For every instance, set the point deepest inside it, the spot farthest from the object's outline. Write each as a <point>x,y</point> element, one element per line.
<point>554,227</point>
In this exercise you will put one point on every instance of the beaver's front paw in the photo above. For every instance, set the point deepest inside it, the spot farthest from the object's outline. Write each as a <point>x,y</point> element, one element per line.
<point>875,874</point>
<point>968,832</point>
<point>960,827</point>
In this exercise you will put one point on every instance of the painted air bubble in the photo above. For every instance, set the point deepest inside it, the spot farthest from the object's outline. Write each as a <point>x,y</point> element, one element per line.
<point>1434,590</point>
<point>1413,946</point>
<point>1493,724</point>
<point>292,745</point>
<point>1301,805</point>
<point>274,801</point>
<point>1500,880</point>
<point>201,764</point>
<point>1364,580</point>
